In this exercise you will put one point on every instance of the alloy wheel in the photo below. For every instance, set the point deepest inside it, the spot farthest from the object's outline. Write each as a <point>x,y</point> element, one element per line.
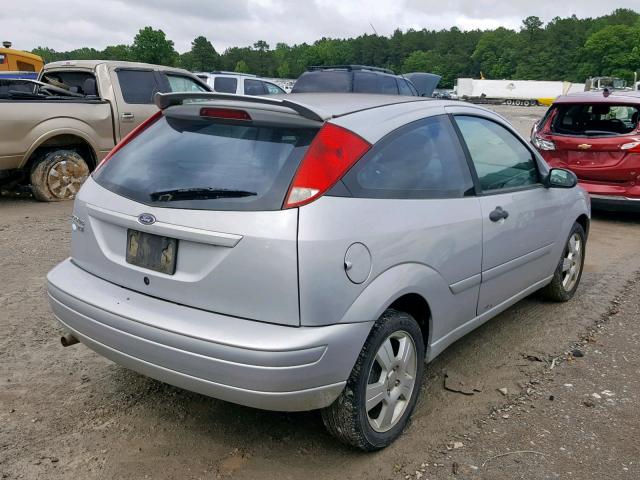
<point>572,262</point>
<point>66,177</point>
<point>391,381</point>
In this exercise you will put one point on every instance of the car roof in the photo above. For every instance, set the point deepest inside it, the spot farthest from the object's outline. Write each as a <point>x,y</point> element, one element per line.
<point>227,74</point>
<point>92,64</point>
<point>617,96</point>
<point>339,104</point>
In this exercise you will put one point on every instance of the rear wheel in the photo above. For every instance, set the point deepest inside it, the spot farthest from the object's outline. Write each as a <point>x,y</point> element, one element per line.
<point>384,385</point>
<point>58,175</point>
<point>508,102</point>
<point>525,103</point>
<point>569,271</point>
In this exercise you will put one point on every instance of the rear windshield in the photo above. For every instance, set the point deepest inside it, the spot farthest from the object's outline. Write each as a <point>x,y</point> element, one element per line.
<point>595,119</point>
<point>324,81</point>
<point>200,164</point>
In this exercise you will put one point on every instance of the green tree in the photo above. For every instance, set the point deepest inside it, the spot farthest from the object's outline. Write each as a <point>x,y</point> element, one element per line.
<point>242,67</point>
<point>496,53</point>
<point>613,50</point>
<point>203,57</point>
<point>152,46</point>
<point>117,52</point>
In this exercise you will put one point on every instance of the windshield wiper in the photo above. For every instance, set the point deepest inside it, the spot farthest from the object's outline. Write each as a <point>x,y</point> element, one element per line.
<point>198,194</point>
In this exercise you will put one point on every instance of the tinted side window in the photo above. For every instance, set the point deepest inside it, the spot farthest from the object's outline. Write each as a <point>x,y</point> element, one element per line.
<point>388,85</point>
<point>138,86</point>
<point>421,160</point>
<point>179,83</point>
<point>365,82</point>
<point>404,87</point>
<point>500,159</point>
<point>253,87</point>
<point>368,82</point>
<point>323,81</point>
<point>225,84</point>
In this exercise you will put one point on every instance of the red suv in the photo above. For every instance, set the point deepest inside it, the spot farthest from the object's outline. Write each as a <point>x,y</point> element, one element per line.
<point>597,136</point>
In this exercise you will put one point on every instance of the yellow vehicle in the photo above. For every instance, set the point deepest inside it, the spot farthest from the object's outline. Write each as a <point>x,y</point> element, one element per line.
<point>18,61</point>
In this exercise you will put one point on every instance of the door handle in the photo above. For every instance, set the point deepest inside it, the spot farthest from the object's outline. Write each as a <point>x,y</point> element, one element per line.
<point>127,117</point>
<point>498,214</point>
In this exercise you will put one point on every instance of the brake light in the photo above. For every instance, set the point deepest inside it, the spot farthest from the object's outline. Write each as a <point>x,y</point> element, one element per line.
<point>224,113</point>
<point>130,136</point>
<point>331,154</point>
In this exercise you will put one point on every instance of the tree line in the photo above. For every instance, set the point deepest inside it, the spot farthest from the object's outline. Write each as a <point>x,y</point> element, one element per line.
<point>569,48</point>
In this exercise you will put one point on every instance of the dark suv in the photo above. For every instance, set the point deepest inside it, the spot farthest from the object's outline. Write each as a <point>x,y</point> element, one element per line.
<point>353,79</point>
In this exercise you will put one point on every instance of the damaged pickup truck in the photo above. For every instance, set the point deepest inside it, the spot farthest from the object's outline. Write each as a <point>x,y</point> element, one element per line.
<point>55,131</point>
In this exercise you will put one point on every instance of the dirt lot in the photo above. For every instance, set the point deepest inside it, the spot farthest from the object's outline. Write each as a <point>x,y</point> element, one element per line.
<point>68,413</point>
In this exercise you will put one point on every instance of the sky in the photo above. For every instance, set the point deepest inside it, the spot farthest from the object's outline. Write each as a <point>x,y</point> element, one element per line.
<point>70,24</point>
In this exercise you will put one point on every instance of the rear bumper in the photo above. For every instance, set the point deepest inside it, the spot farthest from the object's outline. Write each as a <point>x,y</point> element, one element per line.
<point>261,365</point>
<point>615,203</point>
<point>613,196</point>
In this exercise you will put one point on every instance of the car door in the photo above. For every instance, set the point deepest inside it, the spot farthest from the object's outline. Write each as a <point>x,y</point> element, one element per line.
<point>134,98</point>
<point>520,216</point>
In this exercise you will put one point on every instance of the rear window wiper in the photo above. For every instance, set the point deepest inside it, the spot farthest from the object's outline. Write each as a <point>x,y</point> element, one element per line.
<point>198,194</point>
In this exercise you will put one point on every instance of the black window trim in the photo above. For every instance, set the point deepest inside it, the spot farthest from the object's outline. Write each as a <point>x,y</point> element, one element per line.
<point>479,191</point>
<point>342,189</point>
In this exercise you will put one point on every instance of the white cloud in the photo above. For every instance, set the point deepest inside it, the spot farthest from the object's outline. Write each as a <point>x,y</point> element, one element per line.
<point>68,24</point>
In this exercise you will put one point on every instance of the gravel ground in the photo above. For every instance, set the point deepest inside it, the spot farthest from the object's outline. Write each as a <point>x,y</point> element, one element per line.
<point>68,413</point>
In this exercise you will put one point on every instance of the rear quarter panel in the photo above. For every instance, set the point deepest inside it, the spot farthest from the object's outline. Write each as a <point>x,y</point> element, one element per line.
<point>416,246</point>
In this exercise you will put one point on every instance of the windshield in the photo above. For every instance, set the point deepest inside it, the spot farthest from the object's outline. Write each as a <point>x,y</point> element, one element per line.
<point>200,164</point>
<point>598,119</point>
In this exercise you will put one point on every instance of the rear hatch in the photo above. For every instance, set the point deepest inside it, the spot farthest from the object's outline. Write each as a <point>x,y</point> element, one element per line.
<point>594,140</point>
<point>190,211</point>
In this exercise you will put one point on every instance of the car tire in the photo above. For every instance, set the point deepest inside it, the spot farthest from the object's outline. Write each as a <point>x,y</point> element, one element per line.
<point>568,273</point>
<point>58,175</point>
<point>392,390</point>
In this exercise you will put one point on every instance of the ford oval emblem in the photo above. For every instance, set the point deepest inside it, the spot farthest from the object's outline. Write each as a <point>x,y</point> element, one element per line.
<point>146,219</point>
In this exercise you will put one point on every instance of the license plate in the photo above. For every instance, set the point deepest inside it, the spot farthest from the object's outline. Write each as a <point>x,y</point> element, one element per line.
<point>153,252</point>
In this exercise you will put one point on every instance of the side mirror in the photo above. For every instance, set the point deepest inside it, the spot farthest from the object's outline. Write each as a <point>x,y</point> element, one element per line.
<point>561,178</point>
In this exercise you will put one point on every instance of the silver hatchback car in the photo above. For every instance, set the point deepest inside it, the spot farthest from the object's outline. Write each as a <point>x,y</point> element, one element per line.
<point>312,251</point>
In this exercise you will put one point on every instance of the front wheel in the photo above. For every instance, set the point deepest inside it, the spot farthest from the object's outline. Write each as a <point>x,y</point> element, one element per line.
<point>58,175</point>
<point>384,385</point>
<point>568,273</point>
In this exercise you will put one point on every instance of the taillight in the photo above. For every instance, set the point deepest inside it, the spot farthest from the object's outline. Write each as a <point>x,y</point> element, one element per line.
<point>130,136</point>
<point>633,147</point>
<point>224,113</point>
<point>331,154</point>
<point>542,143</point>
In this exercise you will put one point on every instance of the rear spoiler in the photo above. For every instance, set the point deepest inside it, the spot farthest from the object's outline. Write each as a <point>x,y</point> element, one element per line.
<point>166,100</point>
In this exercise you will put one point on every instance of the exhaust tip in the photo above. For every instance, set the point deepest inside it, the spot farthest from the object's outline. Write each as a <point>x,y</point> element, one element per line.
<point>68,340</point>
